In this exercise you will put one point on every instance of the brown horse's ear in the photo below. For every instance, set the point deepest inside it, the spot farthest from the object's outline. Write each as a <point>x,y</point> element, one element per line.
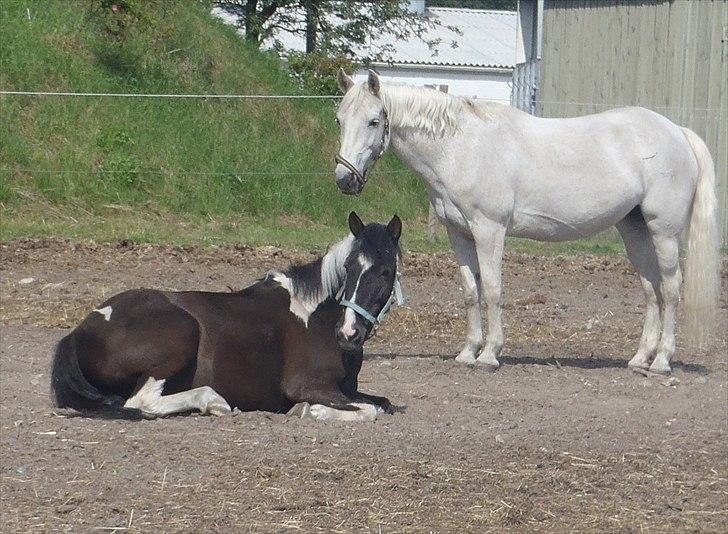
<point>355,224</point>
<point>373,82</point>
<point>344,80</point>
<point>395,227</point>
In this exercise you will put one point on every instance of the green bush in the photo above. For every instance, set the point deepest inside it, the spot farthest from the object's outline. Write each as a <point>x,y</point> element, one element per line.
<point>316,73</point>
<point>122,20</point>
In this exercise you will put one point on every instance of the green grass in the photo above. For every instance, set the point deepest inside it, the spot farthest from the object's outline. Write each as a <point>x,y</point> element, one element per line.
<point>224,159</point>
<point>174,170</point>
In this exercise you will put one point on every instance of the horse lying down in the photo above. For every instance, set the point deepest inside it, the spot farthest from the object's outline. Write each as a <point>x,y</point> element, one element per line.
<point>282,341</point>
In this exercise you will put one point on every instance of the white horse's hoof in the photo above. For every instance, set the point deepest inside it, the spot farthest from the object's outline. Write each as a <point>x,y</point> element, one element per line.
<point>660,367</point>
<point>639,362</point>
<point>466,357</point>
<point>490,365</point>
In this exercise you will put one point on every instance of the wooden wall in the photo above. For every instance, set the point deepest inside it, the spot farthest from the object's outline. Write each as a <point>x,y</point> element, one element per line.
<point>667,55</point>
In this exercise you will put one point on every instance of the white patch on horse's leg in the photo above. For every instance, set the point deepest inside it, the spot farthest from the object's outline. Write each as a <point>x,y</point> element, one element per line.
<point>489,243</point>
<point>366,412</point>
<point>105,311</point>
<point>150,401</point>
<point>302,410</point>
<point>667,258</point>
<point>469,274</point>
<point>210,401</point>
<point>146,395</point>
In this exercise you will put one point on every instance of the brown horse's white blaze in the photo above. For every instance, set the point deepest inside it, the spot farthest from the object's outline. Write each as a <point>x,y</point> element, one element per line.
<point>268,347</point>
<point>348,328</point>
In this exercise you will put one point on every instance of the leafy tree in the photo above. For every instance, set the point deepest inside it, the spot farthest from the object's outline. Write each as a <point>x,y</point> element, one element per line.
<point>333,27</point>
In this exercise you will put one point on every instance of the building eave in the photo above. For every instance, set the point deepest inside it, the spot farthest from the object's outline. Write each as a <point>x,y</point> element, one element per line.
<point>460,68</point>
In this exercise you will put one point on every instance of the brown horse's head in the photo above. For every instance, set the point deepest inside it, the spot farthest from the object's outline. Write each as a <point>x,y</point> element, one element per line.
<point>371,278</point>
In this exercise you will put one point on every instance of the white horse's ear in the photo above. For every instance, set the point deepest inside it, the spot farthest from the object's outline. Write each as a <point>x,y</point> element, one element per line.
<point>355,224</point>
<point>344,80</point>
<point>373,82</point>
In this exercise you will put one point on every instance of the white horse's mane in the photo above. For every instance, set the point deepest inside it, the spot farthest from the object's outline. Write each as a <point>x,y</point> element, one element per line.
<point>421,108</point>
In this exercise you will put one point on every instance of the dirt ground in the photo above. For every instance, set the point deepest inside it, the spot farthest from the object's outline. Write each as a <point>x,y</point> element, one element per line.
<point>562,438</point>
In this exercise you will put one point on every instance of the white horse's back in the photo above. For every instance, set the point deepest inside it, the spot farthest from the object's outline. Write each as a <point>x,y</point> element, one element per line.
<point>578,176</point>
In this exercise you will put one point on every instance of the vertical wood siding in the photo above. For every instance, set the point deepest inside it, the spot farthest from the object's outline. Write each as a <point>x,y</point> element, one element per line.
<point>667,55</point>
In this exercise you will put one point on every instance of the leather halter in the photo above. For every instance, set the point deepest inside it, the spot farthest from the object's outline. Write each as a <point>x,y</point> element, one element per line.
<point>361,178</point>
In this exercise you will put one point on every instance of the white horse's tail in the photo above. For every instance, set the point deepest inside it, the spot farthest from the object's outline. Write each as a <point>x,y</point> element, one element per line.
<point>702,265</point>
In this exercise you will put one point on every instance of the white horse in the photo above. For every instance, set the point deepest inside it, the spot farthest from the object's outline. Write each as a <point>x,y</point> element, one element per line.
<point>492,170</point>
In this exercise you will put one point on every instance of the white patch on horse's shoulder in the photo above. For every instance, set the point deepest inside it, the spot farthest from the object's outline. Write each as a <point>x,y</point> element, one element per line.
<point>297,308</point>
<point>105,311</point>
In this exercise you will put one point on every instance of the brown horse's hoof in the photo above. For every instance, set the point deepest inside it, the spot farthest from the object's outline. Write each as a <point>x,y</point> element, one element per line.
<point>300,410</point>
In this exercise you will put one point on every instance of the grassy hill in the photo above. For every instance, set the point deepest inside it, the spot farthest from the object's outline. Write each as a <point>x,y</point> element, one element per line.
<point>175,170</point>
<point>167,169</point>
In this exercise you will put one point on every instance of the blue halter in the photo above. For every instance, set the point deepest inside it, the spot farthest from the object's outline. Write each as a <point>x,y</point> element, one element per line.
<point>396,296</point>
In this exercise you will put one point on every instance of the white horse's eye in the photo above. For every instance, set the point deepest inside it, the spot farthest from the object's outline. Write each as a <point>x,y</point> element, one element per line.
<point>337,120</point>
<point>374,122</point>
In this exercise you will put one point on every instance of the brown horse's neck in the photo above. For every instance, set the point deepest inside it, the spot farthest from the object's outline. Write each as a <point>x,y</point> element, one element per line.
<point>312,283</point>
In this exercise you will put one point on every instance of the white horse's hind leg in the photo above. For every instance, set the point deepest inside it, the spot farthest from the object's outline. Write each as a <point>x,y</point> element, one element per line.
<point>666,248</point>
<point>470,278</point>
<point>641,252</point>
<point>150,401</point>
<point>490,241</point>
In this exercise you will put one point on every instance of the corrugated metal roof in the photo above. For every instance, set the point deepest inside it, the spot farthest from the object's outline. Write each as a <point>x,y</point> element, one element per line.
<point>488,39</point>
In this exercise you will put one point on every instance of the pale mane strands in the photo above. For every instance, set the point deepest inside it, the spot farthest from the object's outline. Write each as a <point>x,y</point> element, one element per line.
<point>423,109</point>
<point>332,266</point>
<point>312,283</point>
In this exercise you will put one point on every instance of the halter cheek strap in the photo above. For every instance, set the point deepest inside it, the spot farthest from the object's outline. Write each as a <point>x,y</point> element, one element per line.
<point>361,178</point>
<point>361,311</point>
<point>395,297</point>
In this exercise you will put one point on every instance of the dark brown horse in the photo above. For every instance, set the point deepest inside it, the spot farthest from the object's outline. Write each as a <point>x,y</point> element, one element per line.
<point>284,340</point>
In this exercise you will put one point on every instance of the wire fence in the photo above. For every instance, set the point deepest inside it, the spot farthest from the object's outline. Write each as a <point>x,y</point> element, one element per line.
<point>231,96</point>
<point>170,95</point>
<point>179,172</point>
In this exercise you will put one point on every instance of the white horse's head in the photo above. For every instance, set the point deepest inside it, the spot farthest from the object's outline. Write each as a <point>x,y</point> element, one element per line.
<point>364,131</point>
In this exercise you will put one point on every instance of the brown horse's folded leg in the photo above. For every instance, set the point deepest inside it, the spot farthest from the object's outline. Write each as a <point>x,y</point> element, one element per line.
<point>331,398</point>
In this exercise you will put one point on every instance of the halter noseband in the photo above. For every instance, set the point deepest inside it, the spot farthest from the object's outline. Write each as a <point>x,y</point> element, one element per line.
<point>361,178</point>
<point>395,296</point>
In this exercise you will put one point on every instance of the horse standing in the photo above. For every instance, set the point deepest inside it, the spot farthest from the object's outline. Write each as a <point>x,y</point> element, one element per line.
<point>282,341</point>
<point>492,170</point>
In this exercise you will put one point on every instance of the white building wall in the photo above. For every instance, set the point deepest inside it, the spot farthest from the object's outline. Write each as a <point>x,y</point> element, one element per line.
<point>474,83</point>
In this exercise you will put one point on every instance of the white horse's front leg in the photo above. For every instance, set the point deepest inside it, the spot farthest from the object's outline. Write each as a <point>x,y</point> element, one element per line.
<point>489,242</point>
<point>468,260</point>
